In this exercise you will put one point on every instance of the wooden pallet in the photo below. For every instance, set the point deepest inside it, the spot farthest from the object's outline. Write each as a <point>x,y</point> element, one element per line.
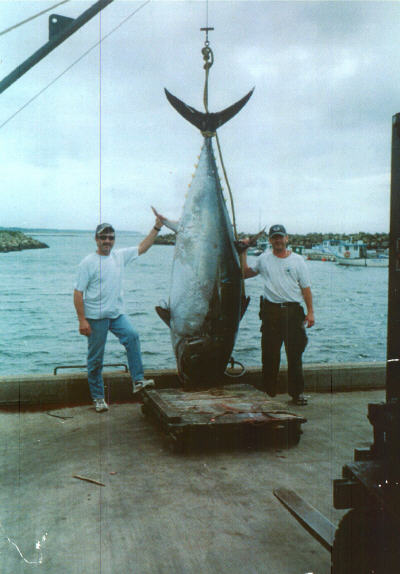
<point>232,415</point>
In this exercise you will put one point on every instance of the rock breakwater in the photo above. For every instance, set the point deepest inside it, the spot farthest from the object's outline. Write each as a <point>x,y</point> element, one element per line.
<point>17,241</point>
<point>165,239</point>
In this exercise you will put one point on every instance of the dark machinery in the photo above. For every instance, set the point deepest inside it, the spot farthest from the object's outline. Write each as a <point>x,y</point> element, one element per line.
<point>60,28</point>
<point>368,537</point>
<point>367,540</point>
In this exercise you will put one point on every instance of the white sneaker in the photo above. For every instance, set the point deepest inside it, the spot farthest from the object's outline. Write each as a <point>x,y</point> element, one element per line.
<point>140,385</point>
<point>100,405</point>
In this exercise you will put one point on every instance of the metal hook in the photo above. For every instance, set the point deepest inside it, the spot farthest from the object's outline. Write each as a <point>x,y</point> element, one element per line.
<point>207,55</point>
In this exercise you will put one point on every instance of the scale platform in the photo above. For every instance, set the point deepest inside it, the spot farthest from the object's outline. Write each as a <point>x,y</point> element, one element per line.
<point>233,415</point>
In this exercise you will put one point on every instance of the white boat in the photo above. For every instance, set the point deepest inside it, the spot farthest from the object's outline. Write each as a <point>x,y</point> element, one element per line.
<point>348,253</point>
<point>355,254</point>
<point>254,251</point>
<point>363,261</point>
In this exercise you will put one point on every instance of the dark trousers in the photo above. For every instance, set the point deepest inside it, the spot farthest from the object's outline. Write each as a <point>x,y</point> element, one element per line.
<point>282,325</point>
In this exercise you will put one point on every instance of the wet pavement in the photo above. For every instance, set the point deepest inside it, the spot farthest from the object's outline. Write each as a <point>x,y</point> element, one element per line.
<point>156,512</point>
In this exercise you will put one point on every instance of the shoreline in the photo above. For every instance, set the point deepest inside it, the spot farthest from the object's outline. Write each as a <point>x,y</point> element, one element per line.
<point>18,241</point>
<point>372,240</point>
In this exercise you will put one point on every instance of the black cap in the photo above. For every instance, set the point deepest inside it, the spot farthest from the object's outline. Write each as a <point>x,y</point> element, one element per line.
<point>103,226</point>
<point>277,230</point>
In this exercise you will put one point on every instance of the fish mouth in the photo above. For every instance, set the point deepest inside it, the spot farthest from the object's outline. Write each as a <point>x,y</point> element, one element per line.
<point>202,360</point>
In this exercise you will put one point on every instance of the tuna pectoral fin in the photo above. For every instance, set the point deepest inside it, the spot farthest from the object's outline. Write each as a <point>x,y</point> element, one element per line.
<point>172,225</point>
<point>244,304</point>
<point>207,122</point>
<point>241,246</point>
<point>164,314</point>
<point>254,238</point>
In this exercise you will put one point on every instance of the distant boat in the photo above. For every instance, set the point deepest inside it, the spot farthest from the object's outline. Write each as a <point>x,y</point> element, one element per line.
<point>330,248</point>
<point>265,245</point>
<point>259,248</point>
<point>382,261</point>
<point>348,253</point>
<point>255,251</point>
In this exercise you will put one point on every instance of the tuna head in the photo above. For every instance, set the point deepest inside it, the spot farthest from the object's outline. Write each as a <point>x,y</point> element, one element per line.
<point>202,360</point>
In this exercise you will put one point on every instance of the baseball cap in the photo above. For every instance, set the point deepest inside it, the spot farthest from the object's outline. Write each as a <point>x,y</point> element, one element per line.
<point>277,230</point>
<point>103,226</point>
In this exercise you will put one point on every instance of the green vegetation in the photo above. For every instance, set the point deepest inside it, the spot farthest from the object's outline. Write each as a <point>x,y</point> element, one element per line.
<point>372,240</point>
<point>166,239</point>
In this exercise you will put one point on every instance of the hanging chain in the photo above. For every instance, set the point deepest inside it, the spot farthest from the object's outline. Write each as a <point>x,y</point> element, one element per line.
<point>208,58</point>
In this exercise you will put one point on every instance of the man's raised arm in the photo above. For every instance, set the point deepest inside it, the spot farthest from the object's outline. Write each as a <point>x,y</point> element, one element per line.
<point>247,271</point>
<point>149,240</point>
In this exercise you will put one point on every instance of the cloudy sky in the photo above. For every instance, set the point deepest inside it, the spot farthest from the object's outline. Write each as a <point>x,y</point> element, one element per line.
<point>311,149</point>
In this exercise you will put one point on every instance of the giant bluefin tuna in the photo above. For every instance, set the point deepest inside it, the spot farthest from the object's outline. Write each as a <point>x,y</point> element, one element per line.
<point>206,299</point>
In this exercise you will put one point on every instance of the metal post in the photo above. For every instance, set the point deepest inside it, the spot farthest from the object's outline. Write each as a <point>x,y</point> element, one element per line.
<point>393,330</point>
<point>60,28</point>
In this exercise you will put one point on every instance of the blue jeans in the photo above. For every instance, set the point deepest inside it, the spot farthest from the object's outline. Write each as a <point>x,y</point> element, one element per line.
<point>128,337</point>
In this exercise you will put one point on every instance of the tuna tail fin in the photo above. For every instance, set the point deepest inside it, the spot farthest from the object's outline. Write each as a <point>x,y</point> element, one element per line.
<point>206,122</point>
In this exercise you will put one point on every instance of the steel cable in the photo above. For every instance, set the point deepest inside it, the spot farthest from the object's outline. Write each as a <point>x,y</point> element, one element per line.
<point>32,17</point>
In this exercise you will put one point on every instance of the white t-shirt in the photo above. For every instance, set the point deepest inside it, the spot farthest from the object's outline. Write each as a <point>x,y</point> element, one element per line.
<point>284,277</point>
<point>100,280</point>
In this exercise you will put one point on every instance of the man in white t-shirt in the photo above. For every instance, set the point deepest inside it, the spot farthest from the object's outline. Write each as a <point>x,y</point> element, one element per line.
<point>98,300</point>
<point>286,286</point>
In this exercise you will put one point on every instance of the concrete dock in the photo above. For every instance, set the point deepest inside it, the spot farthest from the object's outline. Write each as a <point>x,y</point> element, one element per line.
<point>68,385</point>
<point>156,512</point>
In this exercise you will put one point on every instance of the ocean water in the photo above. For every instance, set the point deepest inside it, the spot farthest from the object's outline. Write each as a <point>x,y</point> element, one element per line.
<point>39,328</point>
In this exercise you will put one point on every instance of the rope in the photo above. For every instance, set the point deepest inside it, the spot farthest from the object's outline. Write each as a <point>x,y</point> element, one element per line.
<point>208,58</point>
<point>32,17</point>
<point>233,214</point>
<point>228,187</point>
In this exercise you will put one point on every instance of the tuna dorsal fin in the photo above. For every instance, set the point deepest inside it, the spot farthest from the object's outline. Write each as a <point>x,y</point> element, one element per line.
<point>164,314</point>
<point>207,122</point>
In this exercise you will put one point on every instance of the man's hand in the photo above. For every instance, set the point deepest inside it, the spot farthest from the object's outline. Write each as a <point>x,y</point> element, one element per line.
<point>308,300</point>
<point>160,219</point>
<point>242,245</point>
<point>148,241</point>
<point>309,320</point>
<point>84,328</point>
<point>84,325</point>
